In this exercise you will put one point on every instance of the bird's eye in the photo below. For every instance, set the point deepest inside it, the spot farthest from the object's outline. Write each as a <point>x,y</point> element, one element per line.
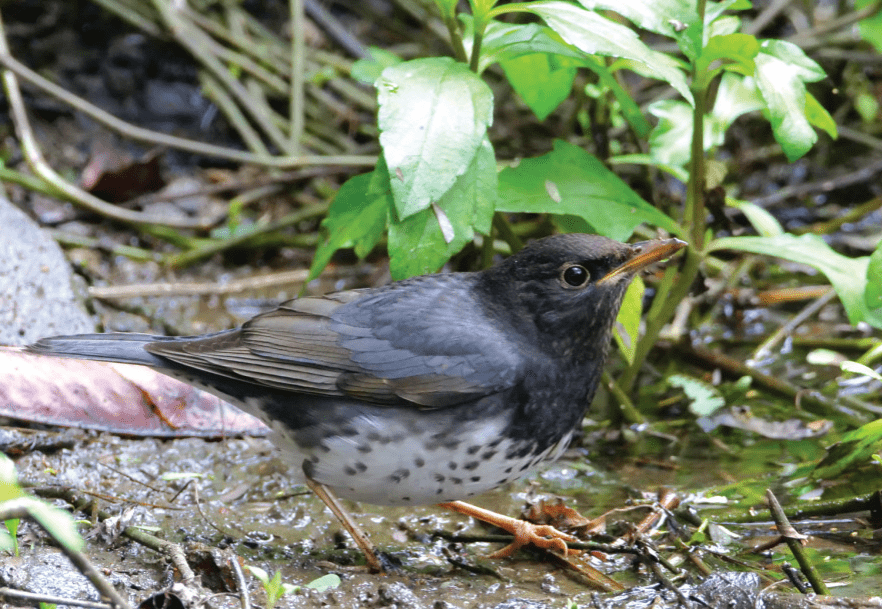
<point>575,276</point>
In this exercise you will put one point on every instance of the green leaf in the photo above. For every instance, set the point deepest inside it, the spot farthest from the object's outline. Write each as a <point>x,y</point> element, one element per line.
<point>356,218</point>
<point>847,275</point>
<point>854,450</point>
<point>368,71</point>
<point>871,27</point>
<point>782,70</point>
<point>325,582</point>
<point>659,16</point>
<point>785,96</point>
<point>873,292</point>
<point>740,49</point>
<point>417,244</point>
<point>584,187</point>
<point>629,108</point>
<point>704,398</point>
<point>805,68</point>
<point>505,41</point>
<point>818,116</point>
<point>543,81</point>
<point>596,35</point>
<point>857,368</point>
<point>433,116</point>
<point>762,221</point>
<point>627,328</point>
<point>670,140</point>
<point>737,95</point>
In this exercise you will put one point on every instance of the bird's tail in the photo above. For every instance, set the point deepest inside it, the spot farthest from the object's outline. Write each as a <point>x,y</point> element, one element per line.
<point>121,348</point>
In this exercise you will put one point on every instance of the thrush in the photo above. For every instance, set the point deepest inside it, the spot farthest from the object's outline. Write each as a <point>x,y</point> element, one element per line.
<point>428,390</point>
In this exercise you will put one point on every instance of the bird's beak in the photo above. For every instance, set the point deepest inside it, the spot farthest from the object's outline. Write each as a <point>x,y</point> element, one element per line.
<point>644,254</point>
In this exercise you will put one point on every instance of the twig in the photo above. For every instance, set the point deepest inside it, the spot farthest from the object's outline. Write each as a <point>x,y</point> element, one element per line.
<point>811,400</point>
<point>297,106</point>
<point>197,44</point>
<point>173,551</point>
<point>766,16</point>
<point>765,349</point>
<point>864,174</point>
<point>41,168</point>
<point>334,28</point>
<point>17,508</point>
<point>810,39</point>
<point>794,542</point>
<point>216,93</point>
<point>115,292</point>
<point>35,599</point>
<point>213,247</point>
<point>153,137</point>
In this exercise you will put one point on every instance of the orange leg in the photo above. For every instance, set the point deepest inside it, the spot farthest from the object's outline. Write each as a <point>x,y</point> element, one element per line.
<point>358,536</point>
<point>525,533</point>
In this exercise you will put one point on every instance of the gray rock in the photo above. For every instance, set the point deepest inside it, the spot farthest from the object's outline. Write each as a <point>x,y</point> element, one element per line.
<point>36,290</point>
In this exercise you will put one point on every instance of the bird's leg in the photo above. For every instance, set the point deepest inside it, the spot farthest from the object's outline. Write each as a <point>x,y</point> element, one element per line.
<point>360,537</point>
<point>525,533</point>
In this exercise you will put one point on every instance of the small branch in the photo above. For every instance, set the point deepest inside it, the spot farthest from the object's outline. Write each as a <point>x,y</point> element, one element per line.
<point>297,106</point>
<point>794,542</point>
<point>16,508</point>
<point>765,349</point>
<point>179,143</point>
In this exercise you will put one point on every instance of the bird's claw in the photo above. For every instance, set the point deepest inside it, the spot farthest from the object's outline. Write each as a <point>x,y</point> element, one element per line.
<point>540,535</point>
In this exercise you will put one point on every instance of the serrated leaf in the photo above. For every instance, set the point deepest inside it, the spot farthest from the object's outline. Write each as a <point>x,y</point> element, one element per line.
<point>356,217</point>
<point>593,34</point>
<point>705,399</point>
<point>417,244</point>
<point>587,190</point>
<point>847,275</point>
<point>433,116</point>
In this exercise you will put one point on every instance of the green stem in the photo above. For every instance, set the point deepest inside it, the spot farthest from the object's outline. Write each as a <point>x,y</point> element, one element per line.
<point>455,38</point>
<point>694,220</point>
<point>480,26</point>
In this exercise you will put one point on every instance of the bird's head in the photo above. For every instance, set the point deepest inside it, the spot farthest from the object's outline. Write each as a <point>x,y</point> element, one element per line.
<point>569,288</point>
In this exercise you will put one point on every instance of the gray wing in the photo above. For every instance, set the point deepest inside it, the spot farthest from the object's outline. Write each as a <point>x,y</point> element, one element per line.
<point>428,341</point>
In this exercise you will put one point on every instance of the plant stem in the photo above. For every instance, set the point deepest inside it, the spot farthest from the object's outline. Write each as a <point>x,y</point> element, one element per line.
<point>694,220</point>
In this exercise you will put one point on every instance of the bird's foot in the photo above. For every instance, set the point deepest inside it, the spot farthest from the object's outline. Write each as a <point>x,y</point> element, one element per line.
<point>525,533</point>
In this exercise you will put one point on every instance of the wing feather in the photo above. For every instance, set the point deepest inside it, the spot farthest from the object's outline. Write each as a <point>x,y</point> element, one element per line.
<point>400,344</point>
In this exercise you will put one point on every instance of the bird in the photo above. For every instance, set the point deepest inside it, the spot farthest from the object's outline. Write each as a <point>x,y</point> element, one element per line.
<point>429,390</point>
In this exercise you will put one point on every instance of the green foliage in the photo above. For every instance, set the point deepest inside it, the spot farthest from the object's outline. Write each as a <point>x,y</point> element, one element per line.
<point>856,449</point>
<point>9,539</point>
<point>272,586</point>
<point>627,328</point>
<point>436,186</point>
<point>58,523</point>
<point>569,181</point>
<point>275,589</point>
<point>704,399</point>
<point>871,27</point>
<point>851,277</point>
